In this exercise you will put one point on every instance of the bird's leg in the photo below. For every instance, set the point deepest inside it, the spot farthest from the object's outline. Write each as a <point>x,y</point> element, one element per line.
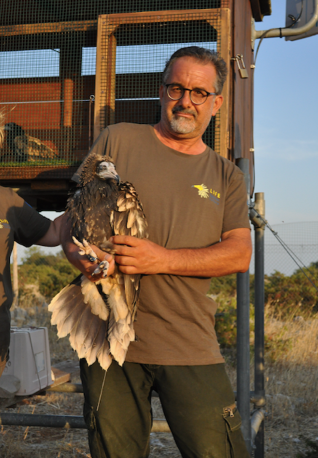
<point>102,267</point>
<point>85,248</point>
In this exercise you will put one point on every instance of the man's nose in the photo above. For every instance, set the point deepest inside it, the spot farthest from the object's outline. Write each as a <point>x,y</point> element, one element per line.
<point>186,99</point>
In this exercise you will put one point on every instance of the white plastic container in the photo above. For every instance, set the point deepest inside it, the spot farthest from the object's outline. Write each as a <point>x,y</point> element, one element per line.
<point>30,359</point>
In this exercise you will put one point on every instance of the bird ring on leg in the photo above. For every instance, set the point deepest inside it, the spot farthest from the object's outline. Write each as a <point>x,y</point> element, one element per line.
<point>91,258</point>
<point>102,268</point>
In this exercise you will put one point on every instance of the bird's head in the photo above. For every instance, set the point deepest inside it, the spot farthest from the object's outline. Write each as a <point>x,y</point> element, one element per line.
<point>105,170</point>
<point>14,128</point>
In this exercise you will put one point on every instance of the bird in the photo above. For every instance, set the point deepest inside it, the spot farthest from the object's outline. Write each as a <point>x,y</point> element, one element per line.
<point>99,316</point>
<point>24,147</point>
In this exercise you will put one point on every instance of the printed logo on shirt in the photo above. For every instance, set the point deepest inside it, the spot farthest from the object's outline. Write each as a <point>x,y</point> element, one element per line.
<point>207,193</point>
<point>2,222</point>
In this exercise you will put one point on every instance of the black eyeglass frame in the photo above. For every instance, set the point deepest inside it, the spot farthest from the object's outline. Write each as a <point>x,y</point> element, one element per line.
<point>208,94</point>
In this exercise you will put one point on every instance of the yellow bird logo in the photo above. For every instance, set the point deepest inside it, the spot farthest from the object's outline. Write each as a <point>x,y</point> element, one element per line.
<point>202,190</point>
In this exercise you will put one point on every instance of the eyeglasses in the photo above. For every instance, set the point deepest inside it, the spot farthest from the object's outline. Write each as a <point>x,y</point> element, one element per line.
<point>197,96</point>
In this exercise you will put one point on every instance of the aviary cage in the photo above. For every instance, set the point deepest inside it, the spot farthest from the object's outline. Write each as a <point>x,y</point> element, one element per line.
<point>69,69</point>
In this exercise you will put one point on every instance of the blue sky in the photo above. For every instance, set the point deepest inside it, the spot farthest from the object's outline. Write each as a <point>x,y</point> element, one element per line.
<point>285,123</point>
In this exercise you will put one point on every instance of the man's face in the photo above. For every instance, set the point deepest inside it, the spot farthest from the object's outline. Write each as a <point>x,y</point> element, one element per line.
<point>182,117</point>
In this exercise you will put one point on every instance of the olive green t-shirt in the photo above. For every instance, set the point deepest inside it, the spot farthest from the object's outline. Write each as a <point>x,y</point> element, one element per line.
<point>21,223</point>
<point>189,201</point>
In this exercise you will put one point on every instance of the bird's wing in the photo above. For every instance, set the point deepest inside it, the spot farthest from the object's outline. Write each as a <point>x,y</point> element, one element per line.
<point>129,219</point>
<point>38,150</point>
<point>21,145</point>
<point>83,320</point>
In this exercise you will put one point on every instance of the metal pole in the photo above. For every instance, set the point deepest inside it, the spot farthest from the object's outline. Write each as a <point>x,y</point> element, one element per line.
<point>259,226</point>
<point>62,421</point>
<point>15,275</point>
<point>243,334</point>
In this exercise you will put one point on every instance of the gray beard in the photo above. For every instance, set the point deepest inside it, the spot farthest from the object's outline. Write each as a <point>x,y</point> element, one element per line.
<point>182,126</point>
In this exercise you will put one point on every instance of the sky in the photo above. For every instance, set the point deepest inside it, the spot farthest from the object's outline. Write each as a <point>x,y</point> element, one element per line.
<point>285,124</point>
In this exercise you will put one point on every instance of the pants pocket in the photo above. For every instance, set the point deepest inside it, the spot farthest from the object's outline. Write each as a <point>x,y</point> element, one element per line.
<point>235,446</point>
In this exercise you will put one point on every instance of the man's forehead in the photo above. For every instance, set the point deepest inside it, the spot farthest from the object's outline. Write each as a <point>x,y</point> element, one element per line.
<point>192,67</point>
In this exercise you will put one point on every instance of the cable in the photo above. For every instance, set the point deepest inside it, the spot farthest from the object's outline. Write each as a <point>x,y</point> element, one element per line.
<point>288,250</point>
<point>281,28</point>
<point>101,392</point>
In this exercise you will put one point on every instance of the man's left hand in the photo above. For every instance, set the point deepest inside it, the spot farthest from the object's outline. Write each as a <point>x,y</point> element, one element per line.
<point>138,256</point>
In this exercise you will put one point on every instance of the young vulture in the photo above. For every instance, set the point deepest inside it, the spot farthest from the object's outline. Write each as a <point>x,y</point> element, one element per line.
<point>99,316</point>
<point>24,147</point>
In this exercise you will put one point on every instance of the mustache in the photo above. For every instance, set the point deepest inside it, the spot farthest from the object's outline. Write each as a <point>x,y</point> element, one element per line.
<point>179,109</point>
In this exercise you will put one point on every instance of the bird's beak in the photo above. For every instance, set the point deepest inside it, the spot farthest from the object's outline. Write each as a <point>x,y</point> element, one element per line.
<point>108,174</point>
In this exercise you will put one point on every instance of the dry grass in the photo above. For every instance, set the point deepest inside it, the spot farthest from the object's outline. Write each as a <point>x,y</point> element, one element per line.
<point>291,393</point>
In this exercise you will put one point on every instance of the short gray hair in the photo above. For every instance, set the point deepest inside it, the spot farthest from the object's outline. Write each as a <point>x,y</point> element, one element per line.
<point>204,56</point>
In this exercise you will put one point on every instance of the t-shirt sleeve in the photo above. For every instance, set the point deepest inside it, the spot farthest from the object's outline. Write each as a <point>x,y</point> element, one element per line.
<point>28,225</point>
<point>236,209</point>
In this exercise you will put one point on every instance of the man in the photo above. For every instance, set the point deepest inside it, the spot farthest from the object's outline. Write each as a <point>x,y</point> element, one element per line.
<point>21,223</point>
<point>195,204</point>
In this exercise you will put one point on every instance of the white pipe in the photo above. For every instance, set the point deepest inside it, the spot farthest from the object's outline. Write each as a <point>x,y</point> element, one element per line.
<point>283,32</point>
<point>256,421</point>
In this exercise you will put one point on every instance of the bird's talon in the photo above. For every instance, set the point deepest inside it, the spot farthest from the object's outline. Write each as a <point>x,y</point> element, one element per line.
<point>102,268</point>
<point>85,249</point>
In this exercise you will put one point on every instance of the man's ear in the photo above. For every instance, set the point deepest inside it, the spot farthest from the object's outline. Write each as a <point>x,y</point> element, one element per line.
<point>161,92</point>
<point>217,104</point>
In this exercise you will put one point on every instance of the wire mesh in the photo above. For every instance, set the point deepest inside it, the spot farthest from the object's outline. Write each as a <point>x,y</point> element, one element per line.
<point>48,79</point>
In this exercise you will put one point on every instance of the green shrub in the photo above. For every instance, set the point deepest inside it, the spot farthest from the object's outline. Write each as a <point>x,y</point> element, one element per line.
<point>50,272</point>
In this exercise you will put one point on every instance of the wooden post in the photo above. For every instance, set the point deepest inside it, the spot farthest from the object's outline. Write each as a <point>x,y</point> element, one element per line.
<point>70,71</point>
<point>224,49</point>
<point>104,113</point>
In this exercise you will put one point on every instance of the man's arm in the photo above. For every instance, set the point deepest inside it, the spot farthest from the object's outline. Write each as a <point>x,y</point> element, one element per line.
<point>79,261</point>
<point>141,256</point>
<point>52,236</point>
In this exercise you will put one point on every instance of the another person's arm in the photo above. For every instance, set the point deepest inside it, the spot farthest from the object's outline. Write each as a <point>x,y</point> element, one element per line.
<point>52,236</point>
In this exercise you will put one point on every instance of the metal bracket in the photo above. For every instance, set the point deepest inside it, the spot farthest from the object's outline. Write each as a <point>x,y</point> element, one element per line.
<point>242,69</point>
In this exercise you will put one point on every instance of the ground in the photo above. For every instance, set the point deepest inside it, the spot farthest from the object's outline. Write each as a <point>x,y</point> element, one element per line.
<point>291,377</point>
